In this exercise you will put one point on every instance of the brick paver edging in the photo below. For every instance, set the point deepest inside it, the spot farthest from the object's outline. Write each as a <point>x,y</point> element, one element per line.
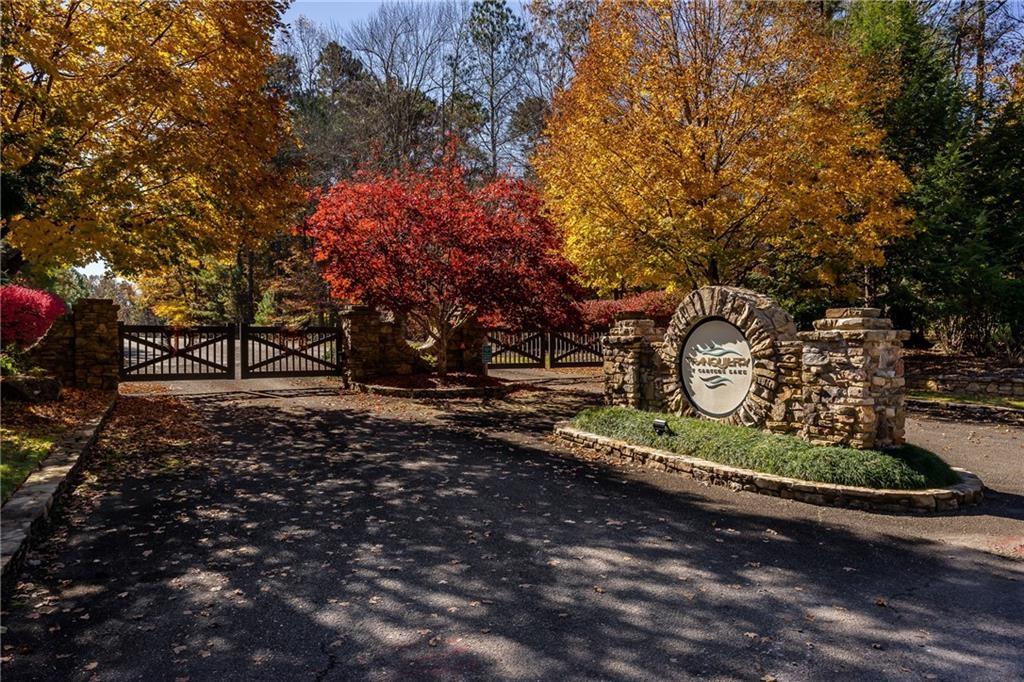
<point>967,492</point>
<point>427,393</point>
<point>27,512</point>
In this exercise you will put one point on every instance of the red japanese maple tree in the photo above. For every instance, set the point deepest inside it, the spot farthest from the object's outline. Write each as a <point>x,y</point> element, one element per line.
<point>428,245</point>
<point>26,314</point>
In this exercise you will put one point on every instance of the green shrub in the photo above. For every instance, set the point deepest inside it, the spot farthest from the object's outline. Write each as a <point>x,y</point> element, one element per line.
<point>11,361</point>
<point>905,467</point>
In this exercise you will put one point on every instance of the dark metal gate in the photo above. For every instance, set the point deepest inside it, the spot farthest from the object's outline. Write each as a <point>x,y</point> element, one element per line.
<point>159,352</point>
<point>278,352</point>
<point>517,349</point>
<point>576,349</point>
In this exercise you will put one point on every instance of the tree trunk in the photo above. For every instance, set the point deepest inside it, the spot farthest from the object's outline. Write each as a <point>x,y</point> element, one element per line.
<point>236,284</point>
<point>251,307</point>
<point>979,63</point>
<point>714,278</point>
<point>443,335</point>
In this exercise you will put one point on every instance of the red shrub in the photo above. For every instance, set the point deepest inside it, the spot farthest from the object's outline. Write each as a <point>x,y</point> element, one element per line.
<point>26,314</point>
<point>656,305</point>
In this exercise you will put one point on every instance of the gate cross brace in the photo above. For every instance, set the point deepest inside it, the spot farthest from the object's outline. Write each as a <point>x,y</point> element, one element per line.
<point>290,352</point>
<point>171,352</point>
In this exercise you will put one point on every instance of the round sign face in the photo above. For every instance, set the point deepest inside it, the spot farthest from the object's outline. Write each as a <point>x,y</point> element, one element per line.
<point>716,368</point>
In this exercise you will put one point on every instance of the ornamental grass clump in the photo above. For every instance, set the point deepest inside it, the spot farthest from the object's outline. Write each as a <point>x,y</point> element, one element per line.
<point>907,467</point>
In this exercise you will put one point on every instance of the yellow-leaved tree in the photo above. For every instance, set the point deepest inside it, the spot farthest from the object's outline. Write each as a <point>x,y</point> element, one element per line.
<point>700,139</point>
<point>140,132</point>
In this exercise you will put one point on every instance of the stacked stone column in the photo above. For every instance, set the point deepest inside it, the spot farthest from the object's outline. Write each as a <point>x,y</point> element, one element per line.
<point>97,346</point>
<point>360,328</point>
<point>853,387</point>
<point>631,372</point>
<point>464,348</point>
<point>82,347</point>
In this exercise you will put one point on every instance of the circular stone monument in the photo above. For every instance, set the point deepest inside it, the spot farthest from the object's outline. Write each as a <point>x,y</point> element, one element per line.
<point>721,352</point>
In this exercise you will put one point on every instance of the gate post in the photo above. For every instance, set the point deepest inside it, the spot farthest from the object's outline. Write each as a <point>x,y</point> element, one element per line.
<point>231,350</point>
<point>360,326</point>
<point>97,344</point>
<point>244,334</point>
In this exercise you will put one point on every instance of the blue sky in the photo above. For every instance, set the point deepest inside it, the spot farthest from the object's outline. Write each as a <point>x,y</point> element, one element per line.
<point>341,12</point>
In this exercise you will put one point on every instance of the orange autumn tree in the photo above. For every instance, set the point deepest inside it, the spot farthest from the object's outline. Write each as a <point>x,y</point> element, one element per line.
<point>140,132</point>
<point>700,138</point>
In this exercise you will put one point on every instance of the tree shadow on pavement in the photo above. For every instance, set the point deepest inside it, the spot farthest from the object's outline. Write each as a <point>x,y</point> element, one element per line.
<point>318,543</point>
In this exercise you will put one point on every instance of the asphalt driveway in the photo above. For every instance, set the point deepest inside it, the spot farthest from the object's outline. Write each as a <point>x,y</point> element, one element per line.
<point>326,537</point>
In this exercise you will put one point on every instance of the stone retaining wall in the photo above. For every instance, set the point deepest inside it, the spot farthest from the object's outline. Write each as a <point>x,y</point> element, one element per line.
<point>981,385</point>
<point>969,492</point>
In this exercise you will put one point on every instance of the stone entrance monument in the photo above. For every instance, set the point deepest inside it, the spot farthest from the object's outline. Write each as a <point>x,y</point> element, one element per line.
<point>735,356</point>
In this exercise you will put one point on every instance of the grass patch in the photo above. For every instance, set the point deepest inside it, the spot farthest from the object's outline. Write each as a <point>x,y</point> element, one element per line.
<point>20,453</point>
<point>907,467</point>
<point>970,399</point>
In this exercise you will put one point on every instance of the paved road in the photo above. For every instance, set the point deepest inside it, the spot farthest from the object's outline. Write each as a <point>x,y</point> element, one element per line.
<point>330,537</point>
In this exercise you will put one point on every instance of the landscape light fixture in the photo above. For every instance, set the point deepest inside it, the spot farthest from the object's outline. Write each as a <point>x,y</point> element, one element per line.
<point>661,427</point>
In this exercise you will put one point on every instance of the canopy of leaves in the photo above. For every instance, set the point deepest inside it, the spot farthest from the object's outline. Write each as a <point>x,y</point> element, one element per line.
<point>957,278</point>
<point>430,246</point>
<point>141,132</point>
<point>700,139</point>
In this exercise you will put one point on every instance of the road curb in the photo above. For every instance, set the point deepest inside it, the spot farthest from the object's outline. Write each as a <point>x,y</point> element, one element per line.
<point>930,500</point>
<point>29,510</point>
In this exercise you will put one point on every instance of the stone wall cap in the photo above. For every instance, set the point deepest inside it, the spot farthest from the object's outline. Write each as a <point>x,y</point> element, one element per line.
<point>853,312</point>
<point>627,315</point>
<point>620,339</point>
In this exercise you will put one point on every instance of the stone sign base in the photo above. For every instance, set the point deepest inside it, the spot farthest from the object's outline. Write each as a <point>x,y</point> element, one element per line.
<point>840,384</point>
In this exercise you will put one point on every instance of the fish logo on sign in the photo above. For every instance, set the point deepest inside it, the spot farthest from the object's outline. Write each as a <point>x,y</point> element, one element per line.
<point>716,381</point>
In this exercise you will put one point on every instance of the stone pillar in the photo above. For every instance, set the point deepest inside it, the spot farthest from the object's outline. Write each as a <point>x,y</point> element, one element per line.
<point>360,327</point>
<point>97,346</point>
<point>630,372</point>
<point>464,348</point>
<point>853,387</point>
<point>396,356</point>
